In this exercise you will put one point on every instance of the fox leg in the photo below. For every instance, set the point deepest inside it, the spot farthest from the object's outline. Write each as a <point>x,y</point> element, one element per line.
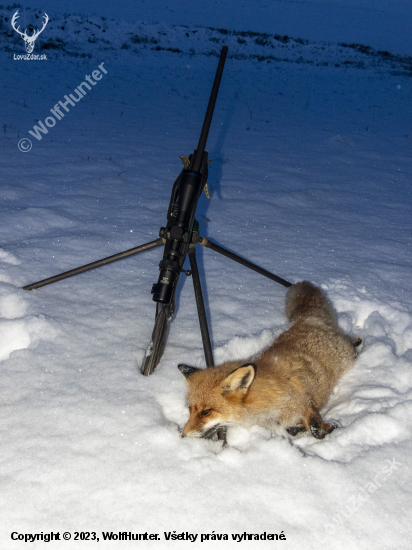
<point>314,424</point>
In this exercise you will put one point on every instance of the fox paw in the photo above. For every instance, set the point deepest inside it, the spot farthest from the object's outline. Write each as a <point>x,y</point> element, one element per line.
<point>321,429</point>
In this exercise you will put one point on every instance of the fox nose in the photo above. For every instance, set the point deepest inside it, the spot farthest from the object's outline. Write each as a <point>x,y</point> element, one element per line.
<point>182,432</point>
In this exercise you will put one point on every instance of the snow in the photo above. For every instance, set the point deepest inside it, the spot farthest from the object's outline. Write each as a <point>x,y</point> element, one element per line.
<point>382,24</point>
<point>310,179</point>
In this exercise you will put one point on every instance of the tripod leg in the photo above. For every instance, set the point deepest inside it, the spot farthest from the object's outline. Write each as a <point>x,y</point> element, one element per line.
<point>157,344</point>
<point>242,261</point>
<point>221,434</point>
<point>201,308</point>
<point>94,265</point>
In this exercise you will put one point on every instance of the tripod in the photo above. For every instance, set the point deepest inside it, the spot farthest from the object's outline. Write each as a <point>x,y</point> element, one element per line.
<point>179,238</point>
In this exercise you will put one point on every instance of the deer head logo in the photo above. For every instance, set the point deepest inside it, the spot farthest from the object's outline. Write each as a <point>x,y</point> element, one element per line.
<point>28,40</point>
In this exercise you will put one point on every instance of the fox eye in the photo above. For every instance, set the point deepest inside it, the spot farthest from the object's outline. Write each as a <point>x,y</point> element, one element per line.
<point>205,412</point>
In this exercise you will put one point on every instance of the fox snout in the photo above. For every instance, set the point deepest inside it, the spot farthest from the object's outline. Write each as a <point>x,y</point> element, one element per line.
<point>202,423</point>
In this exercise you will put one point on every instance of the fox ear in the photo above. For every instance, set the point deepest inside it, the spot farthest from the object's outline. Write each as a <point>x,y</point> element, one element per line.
<point>186,370</point>
<point>240,379</point>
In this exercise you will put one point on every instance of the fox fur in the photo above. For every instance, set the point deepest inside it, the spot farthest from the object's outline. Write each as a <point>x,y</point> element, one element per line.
<point>286,385</point>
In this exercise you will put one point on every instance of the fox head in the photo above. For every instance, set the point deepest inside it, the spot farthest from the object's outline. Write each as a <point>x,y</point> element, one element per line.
<point>215,397</point>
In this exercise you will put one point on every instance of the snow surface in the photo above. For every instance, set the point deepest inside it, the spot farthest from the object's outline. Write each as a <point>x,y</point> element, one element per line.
<point>382,24</point>
<point>311,144</point>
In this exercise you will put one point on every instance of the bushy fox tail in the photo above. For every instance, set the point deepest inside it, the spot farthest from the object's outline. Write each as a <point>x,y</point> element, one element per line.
<point>305,300</point>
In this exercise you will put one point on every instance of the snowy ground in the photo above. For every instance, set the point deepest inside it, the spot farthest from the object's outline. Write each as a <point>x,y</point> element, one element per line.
<point>310,179</point>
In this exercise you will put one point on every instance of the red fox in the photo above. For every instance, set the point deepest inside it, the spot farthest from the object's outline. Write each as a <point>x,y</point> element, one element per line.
<point>286,385</point>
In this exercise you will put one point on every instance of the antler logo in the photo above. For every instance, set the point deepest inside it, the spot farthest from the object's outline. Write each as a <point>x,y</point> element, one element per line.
<point>29,40</point>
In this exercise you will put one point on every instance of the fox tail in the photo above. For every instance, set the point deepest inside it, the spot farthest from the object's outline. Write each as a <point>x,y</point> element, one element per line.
<point>305,300</point>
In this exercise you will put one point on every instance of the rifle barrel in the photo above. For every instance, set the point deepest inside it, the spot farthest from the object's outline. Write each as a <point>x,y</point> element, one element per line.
<point>197,161</point>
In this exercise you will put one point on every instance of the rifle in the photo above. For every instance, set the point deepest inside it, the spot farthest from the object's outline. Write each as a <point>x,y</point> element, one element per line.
<point>178,235</point>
